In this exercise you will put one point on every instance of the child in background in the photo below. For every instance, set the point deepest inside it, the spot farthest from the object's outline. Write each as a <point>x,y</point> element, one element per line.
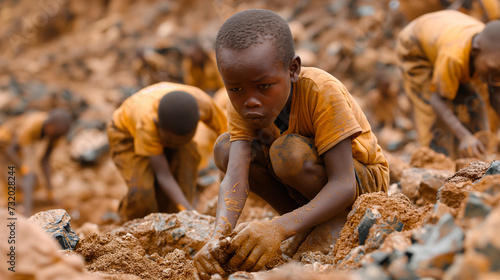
<point>17,138</point>
<point>449,61</point>
<point>150,139</point>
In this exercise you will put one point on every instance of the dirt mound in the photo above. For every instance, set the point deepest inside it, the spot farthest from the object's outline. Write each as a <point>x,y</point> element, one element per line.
<point>157,246</point>
<point>425,157</point>
<point>124,255</point>
<point>162,233</point>
<point>373,217</point>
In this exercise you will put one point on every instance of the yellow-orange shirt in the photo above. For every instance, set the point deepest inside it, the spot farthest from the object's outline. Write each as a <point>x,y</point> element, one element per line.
<point>206,78</point>
<point>484,10</point>
<point>445,40</point>
<point>26,128</point>
<point>322,109</point>
<point>137,113</point>
<point>413,9</point>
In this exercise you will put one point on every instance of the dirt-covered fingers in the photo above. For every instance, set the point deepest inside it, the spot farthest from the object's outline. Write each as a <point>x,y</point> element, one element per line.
<point>244,245</point>
<point>206,265</point>
<point>254,259</point>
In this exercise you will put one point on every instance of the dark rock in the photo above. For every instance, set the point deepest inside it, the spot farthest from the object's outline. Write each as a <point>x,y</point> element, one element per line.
<point>436,246</point>
<point>493,169</point>
<point>382,230</point>
<point>476,206</point>
<point>380,257</point>
<point>57,224</point>
<point>369,219</point>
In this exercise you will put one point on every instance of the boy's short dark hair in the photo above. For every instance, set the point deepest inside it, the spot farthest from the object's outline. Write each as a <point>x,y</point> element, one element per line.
<point>61,118</point>
<point>491,36</point>
<point>251,27</point>
<point>178,112</point>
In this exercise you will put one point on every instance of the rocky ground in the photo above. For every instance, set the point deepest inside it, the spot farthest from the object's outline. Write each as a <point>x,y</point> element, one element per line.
<point>438,220</point>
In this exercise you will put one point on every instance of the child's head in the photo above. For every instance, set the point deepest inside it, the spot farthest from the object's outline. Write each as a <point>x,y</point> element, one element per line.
<point>178,117</point>
<point>194,51</point>
<point>57,124</point>
<point>257,62</point>
<point>486,53</point>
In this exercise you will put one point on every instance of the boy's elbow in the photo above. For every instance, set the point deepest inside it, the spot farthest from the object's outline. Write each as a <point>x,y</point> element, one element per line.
<point>351,193</point>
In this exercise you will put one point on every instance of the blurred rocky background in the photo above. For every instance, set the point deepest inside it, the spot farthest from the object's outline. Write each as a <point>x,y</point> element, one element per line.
<point>438,221</point>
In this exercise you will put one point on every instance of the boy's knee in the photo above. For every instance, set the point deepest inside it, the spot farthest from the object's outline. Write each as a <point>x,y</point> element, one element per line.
<point>221,151</point>
<point>289,153</point>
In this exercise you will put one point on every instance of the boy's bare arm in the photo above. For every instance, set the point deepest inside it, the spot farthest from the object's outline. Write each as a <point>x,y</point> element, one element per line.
<point>495,99</point>
<point>233,193</point>
<point>46,167</point>
<point>168,183</point>
<point>12,153</point>
<point>469,146</point>
<point>234,188</point>
<point>257,242</point>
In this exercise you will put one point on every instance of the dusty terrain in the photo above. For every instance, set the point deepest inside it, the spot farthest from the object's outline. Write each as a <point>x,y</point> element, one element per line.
<point>439,219</point>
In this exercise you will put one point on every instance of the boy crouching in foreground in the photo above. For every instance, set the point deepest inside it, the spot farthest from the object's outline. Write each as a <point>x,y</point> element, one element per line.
<point>296,138</point>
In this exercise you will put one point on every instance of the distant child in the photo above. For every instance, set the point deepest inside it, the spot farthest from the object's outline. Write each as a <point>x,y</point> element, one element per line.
<point>448,59</point>
<point>17,138</point>
<point>483,10</point>
<point>296,138</point>
<point>199,68</point>
<point>150,139</point>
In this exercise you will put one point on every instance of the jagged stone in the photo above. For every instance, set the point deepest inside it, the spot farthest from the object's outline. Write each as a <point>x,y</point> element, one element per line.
<point>453,194</point>
<point>493,169</point>
<point>35,254</point>
<point>476,206</point>
<point>436,247</point>
<point>381,230</point>
<point>369,219</point>
<point>57,224</point>
<point>430,180</point>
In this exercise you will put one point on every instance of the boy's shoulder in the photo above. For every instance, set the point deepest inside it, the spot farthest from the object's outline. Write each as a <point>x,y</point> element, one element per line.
<point>444,16</point>
<point>158,90</point>
<point>318,78</point>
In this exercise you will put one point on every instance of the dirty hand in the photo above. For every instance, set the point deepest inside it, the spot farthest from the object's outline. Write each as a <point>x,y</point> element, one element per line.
<point>470,146</point>
<point>255,244</point>
<point>206,263</point>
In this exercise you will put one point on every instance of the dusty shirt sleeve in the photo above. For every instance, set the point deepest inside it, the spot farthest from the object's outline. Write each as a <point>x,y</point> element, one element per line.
<point>446,77</point>
<point>212,115</point>
<point>30,131</point>
<point>333,117</point>
<point>238,128</point>
<point>147,141</point>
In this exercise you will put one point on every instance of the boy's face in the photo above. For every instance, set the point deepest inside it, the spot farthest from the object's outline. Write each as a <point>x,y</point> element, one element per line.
<point>174,141</point>
<point>487,63</point>
<point>54,132</point>
<point>257,82</point>
<point>488,68</point>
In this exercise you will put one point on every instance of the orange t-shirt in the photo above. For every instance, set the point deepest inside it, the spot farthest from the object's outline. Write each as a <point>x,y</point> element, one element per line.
<point>322,109</point>
<point>137,113</point>
<point>206,78</point>
<point>413,9</point>
<point>445,40</point>
<point>484,10</point>
<point>26,128</point>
